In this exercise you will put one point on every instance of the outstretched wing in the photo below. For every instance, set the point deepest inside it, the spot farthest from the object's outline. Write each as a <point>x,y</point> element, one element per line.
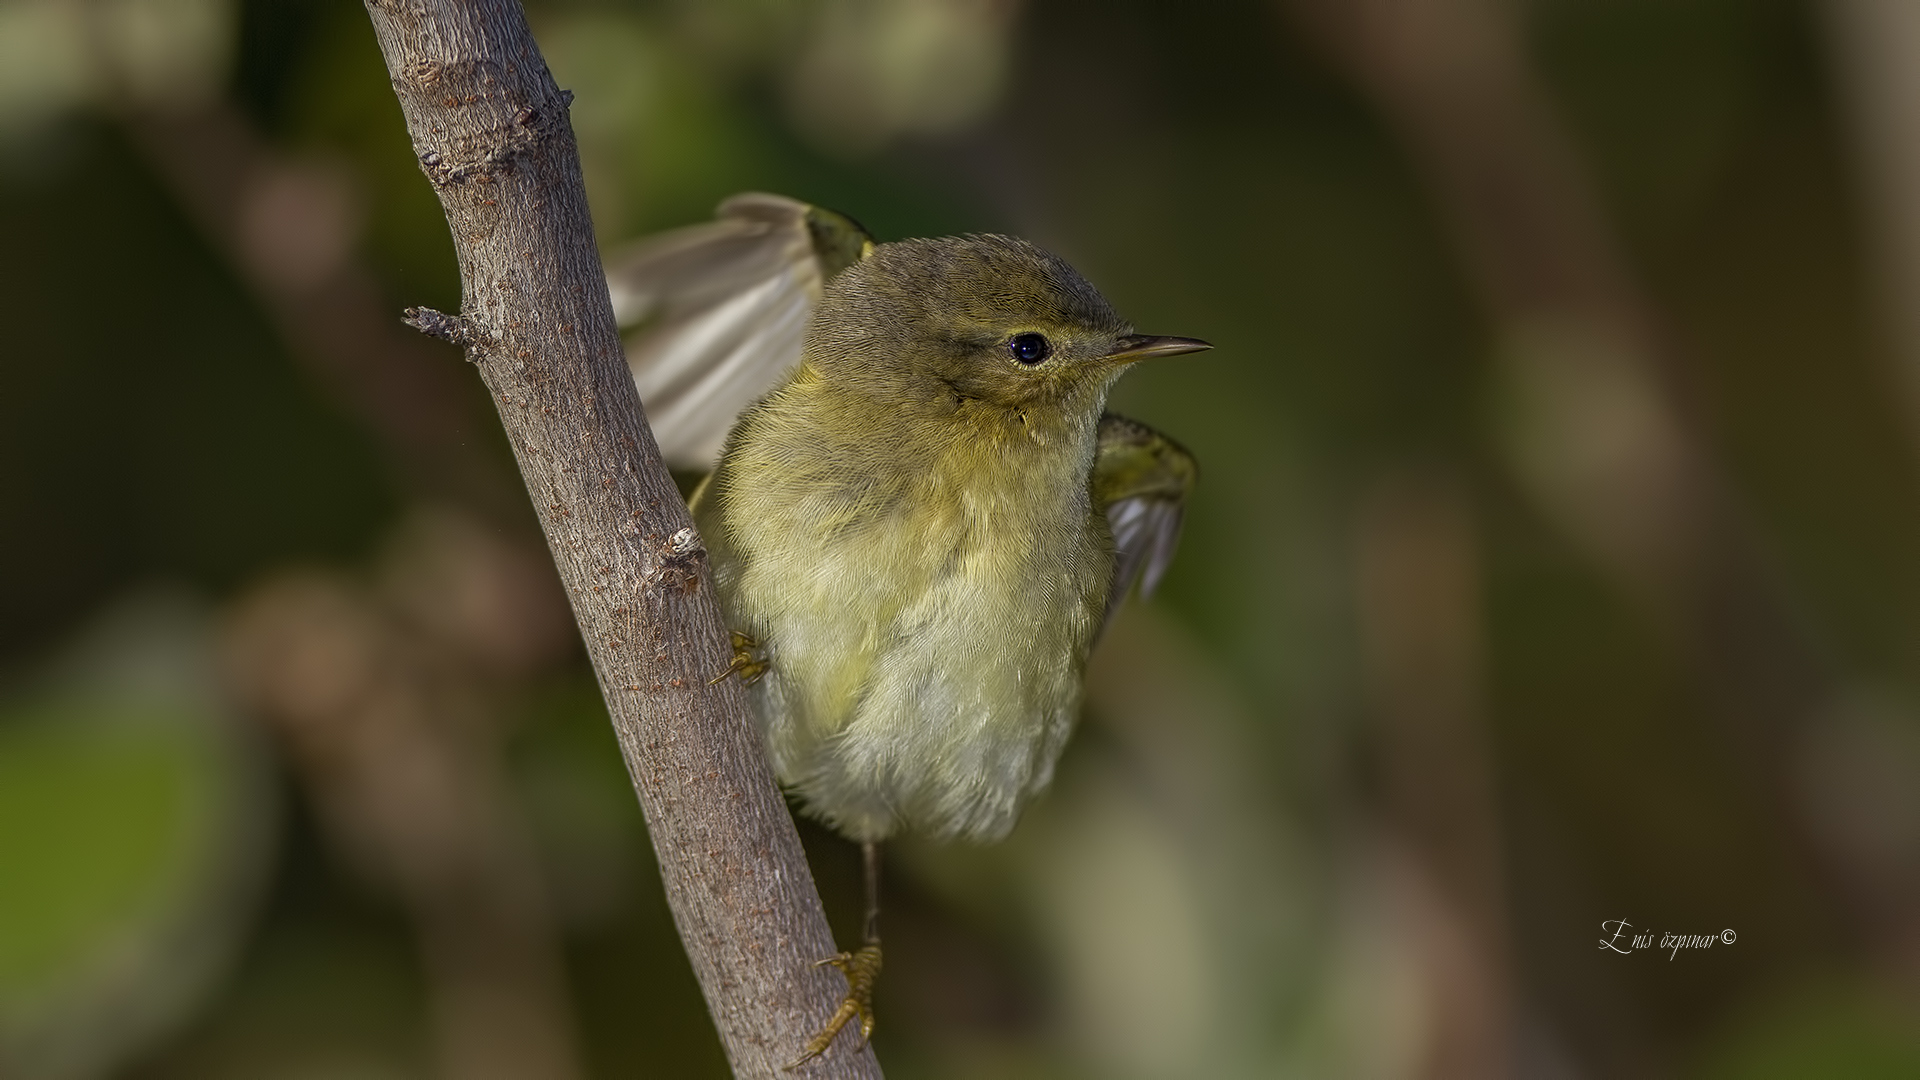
<point>1140,481</point>
<point>715,314</point>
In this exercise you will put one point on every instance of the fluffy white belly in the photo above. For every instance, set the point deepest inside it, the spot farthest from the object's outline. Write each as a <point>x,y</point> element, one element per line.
<point>965,699</point>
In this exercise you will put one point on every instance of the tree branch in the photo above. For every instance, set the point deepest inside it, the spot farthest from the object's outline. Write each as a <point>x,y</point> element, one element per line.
<point>491,133</point>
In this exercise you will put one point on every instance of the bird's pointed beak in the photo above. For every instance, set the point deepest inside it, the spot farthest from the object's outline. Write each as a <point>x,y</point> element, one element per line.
<point>1141,347</point>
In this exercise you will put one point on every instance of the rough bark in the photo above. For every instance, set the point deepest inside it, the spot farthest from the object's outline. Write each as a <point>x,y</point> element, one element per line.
<point>490,129</point>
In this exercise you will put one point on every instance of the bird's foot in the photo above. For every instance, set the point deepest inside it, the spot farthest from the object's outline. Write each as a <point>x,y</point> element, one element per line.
<point>862,969</point>
<point>747,661</point>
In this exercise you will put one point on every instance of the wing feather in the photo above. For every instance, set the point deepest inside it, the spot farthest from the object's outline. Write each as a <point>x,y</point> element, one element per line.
<point>716,313</point>
<point>1140,481</point>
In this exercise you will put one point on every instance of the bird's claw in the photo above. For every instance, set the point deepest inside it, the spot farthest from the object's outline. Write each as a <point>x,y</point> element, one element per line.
<point>862,969</point>
<point>747,662</point>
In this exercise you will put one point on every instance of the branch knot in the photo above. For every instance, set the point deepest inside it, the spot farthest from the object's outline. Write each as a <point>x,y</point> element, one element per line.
<point>452,329</point>
<point>681,558</point>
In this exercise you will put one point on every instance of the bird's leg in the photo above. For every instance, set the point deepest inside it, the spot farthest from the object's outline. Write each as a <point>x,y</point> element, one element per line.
<point>746,660</point>
<point>861,968</point>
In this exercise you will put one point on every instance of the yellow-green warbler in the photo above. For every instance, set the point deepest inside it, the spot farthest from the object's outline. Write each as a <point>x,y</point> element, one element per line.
<point>919,514</point>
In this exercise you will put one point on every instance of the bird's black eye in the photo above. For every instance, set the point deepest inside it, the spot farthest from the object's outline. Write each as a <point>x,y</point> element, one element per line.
<point>1030,348</point>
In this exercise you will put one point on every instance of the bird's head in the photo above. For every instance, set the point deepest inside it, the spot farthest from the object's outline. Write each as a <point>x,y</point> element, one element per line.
<point>941,325</point>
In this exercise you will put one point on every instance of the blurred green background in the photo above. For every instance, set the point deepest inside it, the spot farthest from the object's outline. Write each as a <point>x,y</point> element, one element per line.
<point>1554,559</point>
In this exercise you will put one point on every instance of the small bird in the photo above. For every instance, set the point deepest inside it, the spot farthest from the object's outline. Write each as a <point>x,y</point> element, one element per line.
<point>919,514</point>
